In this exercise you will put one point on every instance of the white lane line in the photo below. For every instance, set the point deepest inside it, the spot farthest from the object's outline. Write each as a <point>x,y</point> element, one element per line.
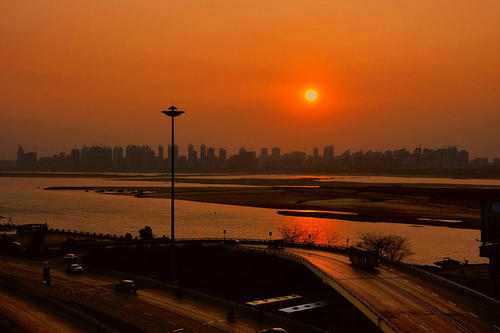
<point>405,280</point>
<point>495,326</point>
<point>419,286</point>
<point>452,303</point>
<point>178,330</point>
<point>209,322</point>
<point>244,324</point>
<point>171,322</point>
<point>424,327</point>
<point>435,294</point>
<point>107,299</point>
<point>473,314</point>
<point>148,314</point>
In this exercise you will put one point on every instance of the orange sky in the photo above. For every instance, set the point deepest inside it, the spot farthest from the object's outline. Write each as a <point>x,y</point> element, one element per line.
<point>389,74</point>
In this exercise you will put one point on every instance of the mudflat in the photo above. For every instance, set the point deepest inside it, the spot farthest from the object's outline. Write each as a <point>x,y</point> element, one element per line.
<point>456,206</point>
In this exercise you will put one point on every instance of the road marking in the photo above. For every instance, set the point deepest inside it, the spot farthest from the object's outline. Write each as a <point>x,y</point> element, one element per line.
<point>148,314</point>
<point>435,294</point>
<point>209,322</point>
<point>178,330</point>
<point>406,315</point>
<point>419,287</point>
<point>424,327</point>
<point>472,314</point>
<point>107,299</point>
<point>452,303</point>
<point>495,326</point>
<point>405,280</point>
<point>244,324</point>
<point>171,322</point>
<point>127,306</point>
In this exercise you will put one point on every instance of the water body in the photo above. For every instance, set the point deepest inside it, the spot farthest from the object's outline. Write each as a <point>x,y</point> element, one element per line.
<point>25,200</point>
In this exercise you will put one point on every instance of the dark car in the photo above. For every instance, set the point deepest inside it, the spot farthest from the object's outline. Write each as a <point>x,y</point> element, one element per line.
<point>70,258</point>
<point>126,286</point>
<point>74,269</point>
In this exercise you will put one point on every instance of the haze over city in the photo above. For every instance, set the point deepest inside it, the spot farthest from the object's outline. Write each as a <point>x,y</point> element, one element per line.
<point>386,74</point>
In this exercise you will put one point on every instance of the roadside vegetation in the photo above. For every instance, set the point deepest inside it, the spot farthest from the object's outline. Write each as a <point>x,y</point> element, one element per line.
<point>392,247</point>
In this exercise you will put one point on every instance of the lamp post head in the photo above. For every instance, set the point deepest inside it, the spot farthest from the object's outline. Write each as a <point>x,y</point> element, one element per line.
<point>172,112</point>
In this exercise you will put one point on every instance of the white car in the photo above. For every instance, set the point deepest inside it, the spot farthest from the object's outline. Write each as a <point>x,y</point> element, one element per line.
<point>74,269</point>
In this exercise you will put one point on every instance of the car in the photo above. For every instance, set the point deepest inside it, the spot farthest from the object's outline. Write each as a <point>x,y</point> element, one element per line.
<point>74,269</point>
<point>126,286</point>
<point>70,258</point>
<point>273,330</point>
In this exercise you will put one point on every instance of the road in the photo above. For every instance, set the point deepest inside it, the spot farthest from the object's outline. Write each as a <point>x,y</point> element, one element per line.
<point>153,310</point>
<point>411,303</point>
<point>31,317</point>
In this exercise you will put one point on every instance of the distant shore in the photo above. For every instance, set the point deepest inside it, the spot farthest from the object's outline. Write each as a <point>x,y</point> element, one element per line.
<point>416,204</point>
<point>459,174</point>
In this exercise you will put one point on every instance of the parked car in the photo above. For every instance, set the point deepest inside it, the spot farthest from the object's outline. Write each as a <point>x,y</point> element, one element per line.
<point>126,286</point>
<point>70,258</point>
<point>74,269</point>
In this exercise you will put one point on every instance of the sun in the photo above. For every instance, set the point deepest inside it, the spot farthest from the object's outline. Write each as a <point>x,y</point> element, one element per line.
<point>311,95</point>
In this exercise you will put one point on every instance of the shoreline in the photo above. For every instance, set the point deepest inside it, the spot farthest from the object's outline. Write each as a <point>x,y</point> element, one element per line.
<point>351,202</point>
<point>187,173</point>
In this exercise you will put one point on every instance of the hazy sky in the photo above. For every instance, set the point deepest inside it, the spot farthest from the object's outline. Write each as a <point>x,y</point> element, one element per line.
<point>388,74</point>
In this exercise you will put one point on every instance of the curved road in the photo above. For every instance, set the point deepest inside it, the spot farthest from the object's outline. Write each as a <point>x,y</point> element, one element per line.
<point>411,303</point>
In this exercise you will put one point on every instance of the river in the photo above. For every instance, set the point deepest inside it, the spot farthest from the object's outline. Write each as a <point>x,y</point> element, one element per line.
<point>26,202</point>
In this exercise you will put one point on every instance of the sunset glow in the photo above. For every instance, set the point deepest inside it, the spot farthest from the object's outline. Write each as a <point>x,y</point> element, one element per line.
<point>100,70</point>
<point>311,95</point>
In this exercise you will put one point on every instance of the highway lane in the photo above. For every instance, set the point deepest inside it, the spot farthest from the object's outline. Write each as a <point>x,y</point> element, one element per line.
<point>32,317</point>
<point>152,308</point>
<point>411,303</point>
<point>97,292</point>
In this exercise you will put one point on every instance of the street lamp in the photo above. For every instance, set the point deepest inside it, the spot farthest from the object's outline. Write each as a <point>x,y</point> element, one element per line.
<point>172,113</point>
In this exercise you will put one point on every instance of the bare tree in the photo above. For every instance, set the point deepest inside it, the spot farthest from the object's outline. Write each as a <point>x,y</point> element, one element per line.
<point>310,236</point>
<point>293,233</point>
<point>393,247</point>
<point>333,237</point>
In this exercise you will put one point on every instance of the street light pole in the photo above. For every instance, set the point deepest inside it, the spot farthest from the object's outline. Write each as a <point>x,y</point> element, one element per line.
<point>172,113</point>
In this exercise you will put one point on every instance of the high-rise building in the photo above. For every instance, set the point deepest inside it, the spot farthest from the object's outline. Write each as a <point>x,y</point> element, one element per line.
<point>276,153</point>
<point>160,152</point>
<point>118,157</point>
<point>328,156</point>
<point>203,152</point>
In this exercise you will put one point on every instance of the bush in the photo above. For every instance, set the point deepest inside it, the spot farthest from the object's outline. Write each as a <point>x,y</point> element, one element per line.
<point>146,233</point>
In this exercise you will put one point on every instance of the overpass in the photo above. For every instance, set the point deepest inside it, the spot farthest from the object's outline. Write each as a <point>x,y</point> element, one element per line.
<point>398,300</point>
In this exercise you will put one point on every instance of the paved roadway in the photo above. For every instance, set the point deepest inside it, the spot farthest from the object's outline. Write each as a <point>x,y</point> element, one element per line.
<point>31,317</point>
<point>411,303</point>
<point>152,309</point>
